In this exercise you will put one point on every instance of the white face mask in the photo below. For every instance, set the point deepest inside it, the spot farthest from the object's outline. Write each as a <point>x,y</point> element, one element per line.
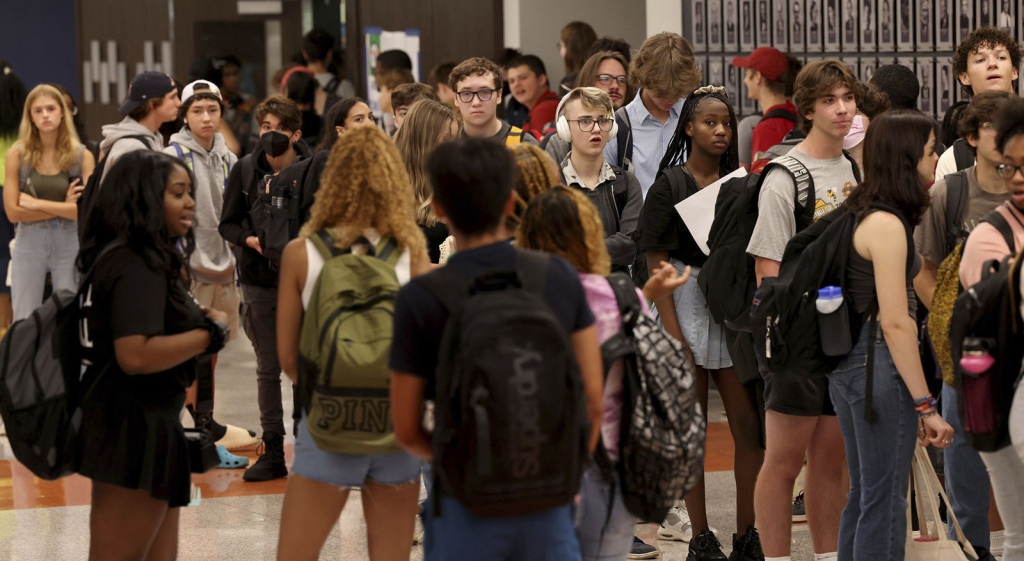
<point>856,134</point>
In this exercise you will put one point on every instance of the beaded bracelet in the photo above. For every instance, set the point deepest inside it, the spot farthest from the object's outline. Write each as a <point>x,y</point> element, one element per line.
<point>924,399</point>
<point>928,403</point>
<point>928,413</point>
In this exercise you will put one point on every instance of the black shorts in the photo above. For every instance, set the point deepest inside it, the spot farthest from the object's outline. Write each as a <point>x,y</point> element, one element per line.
<point>798,396</point>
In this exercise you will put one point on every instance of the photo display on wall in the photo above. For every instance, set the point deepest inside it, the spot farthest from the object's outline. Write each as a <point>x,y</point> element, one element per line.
<point>851,25</point>
<point>964,19</point>
<point>747,27</point>
<point>868,28</point>
<point>733,78</point>
<point>716,72</point>
<point>714,26</point>
<point>904,25</point>
<point>925,29</point>
<point>731,25</point>
<point>813,25</point>
<point>698,26</point>
<point>946,85</point>
<point>832,26</point>
<point>926,76</point>
<point>1007,13</point>
<point>763,23</point>
<point>780,25</point>
<point>797,29</point>
<point>944,25</point>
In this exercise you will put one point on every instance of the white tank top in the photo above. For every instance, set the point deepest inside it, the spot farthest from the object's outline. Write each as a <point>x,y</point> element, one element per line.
<point>315,264</point>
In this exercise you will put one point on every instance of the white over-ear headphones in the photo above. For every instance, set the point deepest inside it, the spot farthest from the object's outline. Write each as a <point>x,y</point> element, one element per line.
<point>562,124</point>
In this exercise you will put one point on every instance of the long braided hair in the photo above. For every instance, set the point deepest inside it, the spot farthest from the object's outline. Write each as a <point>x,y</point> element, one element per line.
<point>681,144</point>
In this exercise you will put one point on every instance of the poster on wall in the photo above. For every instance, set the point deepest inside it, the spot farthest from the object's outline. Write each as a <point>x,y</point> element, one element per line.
<point>764,24</point>
<point>943,25</point>
<point>868,29</point>
<point>925,75</point>
<point>886,32</point>
<point>946,85</point>
<point>851,28</point>
<point>867,68</point>
<point>732,37</point>
<point>747,42</point>
<point>904,26</point>
<point>984,14</point>
<point>378,41</point>
<point>780,25</point>
<point>1005,16</point>
<point>925,30</point>
<point>832,26</point>
<point>964,19</point>
<point>698,26</point>
<point>797,31</point>
<point>714,26</point>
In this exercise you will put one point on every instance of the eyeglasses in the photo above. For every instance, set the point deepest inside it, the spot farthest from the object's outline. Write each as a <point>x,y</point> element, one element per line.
<point>587,125</point>
<point>606,79</point>
<point>988,128</point>
<point>484,95</point>
<point>1006,171</point>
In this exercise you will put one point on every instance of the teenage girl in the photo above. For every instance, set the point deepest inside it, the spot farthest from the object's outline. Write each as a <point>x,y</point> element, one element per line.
<point>46,172</point>
<point>706,138</point>
<point>344,116</point>
<point>145,331</point>
<point>364,192</point>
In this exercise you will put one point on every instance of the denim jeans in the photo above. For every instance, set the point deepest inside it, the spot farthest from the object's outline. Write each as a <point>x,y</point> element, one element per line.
<point>604,535</point>
<point>967,481</point>
<point>46,246</point>
<point>874,522</point>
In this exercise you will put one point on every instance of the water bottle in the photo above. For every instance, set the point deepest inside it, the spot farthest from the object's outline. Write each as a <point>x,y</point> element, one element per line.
<point>280,197</point>
<point>829,299</point>
<point>833,322</point>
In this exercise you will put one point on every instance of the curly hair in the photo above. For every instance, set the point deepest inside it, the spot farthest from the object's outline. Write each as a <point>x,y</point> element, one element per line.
<point>476,66</point>
<point>564,222</point>
<point>874,102</point>
<point>536,172</point>
<point>899,83</point>
<point>982,109</point>
<point>365,185</point>
<point>29,141</point>
<point>1009,122</point>
<point>665,65</point>
<point>424,128</point>
<point>983,37</point>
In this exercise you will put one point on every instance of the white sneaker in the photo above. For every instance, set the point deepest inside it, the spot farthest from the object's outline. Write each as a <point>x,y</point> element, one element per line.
<point>677,526</point>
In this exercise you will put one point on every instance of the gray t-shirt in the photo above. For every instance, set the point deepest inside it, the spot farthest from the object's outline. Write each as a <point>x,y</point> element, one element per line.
<point>776,221</point>
<point>930,234</point>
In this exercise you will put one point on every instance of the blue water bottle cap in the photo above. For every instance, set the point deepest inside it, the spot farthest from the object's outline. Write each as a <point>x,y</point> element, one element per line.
<point>830,292</point>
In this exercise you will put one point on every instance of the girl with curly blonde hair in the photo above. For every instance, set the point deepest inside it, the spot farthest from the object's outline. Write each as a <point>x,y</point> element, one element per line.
<point>364,199</point>
<point>427,124</point>
<point>45,173</point>
<point>564,222</point>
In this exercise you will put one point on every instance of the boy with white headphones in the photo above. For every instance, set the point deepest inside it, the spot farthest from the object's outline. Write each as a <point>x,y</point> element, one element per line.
<point>586,121</point>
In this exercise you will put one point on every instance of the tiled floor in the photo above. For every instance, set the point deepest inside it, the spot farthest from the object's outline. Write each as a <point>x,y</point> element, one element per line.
<point>48,520</point>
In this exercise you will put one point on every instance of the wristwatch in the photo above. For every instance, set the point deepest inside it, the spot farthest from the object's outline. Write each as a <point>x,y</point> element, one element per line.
<point>218,335</point>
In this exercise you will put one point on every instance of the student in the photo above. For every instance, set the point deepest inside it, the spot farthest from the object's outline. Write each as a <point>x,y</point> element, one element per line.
<point>477,86</point>
<point>206,155</point>
<point>353,202</point>
<point>587,115</point>
<point>12,105</point>
<point>45,173</point>
<point>873,103</point>
<point>574,43</point>
<point>965,479</point>
<point>899,83</point>
<point>318,52</point>
<point>986,243</point>
<point>606,71</point>
<point>301,87</point>
<point>563,222</point>
<point>145,332</point>
<point>768,78</point>
<point>240,105</point>
<point>472,181</point>
<point>429,124</point>
<point>152,101</point>
<point>407,94</point>
<point>614,45</point>
<point>346,115</point>
<point>663,72</point>
<point>800,419</point>
<point>707,133</point>
<point>280,145</point>
<point>899,159</point>
<point>534,104</point>
<point>387,81</point>
<point>438,79</point>
<point>987,60</point>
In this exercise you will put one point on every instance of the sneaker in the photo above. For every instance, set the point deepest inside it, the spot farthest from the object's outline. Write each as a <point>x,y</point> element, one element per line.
<point>641,550</point>
<point>747,547</point>
<point>677,526</point>
<point>799,511</point>
<point>706,547</point>
<point>270,464</point>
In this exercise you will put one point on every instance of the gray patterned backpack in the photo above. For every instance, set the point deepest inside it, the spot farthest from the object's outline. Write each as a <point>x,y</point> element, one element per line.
<point>661,447</point>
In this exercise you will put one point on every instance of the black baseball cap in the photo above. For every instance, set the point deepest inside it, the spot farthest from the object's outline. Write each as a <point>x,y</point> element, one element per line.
<point>144,87</point>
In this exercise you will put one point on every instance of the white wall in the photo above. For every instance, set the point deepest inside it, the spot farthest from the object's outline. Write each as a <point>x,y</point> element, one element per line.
<point>664,15</point>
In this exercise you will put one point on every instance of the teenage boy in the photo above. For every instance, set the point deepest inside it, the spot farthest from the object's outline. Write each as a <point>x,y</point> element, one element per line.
<point>586,114</point>
<point>769,82</point>
<point>405,95</point>
<point>472,181</point>
<point>477,86</point>
<point>899,83</point>
<point>533,104</point>
<point>663,71</point>
<point>987,60</point>
<point>438,78</point>
<point>280,145</point>
<point>967,481</point>
<point>318,52</point>
<point>800,420</point>
<point>152,101</point>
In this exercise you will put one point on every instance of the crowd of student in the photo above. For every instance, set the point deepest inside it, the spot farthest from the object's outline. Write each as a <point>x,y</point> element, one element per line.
<point>365,260</point>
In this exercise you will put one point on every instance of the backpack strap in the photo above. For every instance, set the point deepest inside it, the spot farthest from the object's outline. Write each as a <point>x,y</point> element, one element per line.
<point>962,155</point>
<point>997,220</point>
<point>620,190</point>
<point>956,205</point>
<point>802,183</point>
<point>532,270</point>
<point>624,140</point>
<point>325,244</point>
<point>514,136</point>
<point>853,163</point>
<point>780,113</point>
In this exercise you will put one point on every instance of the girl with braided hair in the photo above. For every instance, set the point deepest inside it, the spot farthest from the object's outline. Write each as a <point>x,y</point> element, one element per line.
<point>703,150</point>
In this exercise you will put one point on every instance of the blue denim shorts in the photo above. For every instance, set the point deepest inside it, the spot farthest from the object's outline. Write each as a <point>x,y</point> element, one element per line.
<point>351,470</point>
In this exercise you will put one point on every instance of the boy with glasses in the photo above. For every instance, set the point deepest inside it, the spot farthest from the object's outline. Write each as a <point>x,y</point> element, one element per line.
<point>477,86</point>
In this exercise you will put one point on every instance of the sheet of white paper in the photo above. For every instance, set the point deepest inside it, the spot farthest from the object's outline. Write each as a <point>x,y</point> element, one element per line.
<point>698,210</point>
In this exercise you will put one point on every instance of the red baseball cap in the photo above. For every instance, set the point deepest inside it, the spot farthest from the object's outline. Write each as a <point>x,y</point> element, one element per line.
<point>770,62</point>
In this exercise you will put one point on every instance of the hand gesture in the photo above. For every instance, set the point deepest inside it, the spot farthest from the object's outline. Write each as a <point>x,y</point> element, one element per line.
<point>664,280</point>
<point>74,191</point>
<point>936,431</point>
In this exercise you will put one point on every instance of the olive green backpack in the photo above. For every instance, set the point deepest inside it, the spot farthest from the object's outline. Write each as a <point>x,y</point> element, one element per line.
<point>344,348</point>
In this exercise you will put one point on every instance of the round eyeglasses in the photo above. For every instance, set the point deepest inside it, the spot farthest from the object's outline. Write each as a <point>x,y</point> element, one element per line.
<point>587,125</point>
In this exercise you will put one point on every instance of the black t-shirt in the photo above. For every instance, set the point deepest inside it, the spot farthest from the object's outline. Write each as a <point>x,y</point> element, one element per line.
<point>663,229</point>
<point>420,318</point>
<point>126,298</point>
<point>435,235</point>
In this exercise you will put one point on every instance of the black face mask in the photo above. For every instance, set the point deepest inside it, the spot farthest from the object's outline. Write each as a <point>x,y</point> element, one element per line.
<point>275,143</point>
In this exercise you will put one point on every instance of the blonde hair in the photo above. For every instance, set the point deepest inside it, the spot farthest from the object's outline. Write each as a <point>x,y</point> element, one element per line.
<point>421,132</point>
<point>591,98</point>
<point>364,185</point>
<point>536,172</point>
<point>666,66</point>
<point>31,144</point>
<point>563,221</point>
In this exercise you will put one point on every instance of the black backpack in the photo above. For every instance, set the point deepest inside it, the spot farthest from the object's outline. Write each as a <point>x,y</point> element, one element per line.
<point>986,322</point>
<point>799,341</point>
<point>964,158</point>
<point>681,189</point>
<point>278,226</point>
<point>40,387</point>
<point>92,188</point>
<point>624,140</point>
<point>511,426</point>
<point>661,442</point>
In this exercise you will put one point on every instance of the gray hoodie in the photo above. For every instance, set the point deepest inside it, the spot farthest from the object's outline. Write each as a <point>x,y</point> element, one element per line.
<point>212,262</point>
<point>127,127</point>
